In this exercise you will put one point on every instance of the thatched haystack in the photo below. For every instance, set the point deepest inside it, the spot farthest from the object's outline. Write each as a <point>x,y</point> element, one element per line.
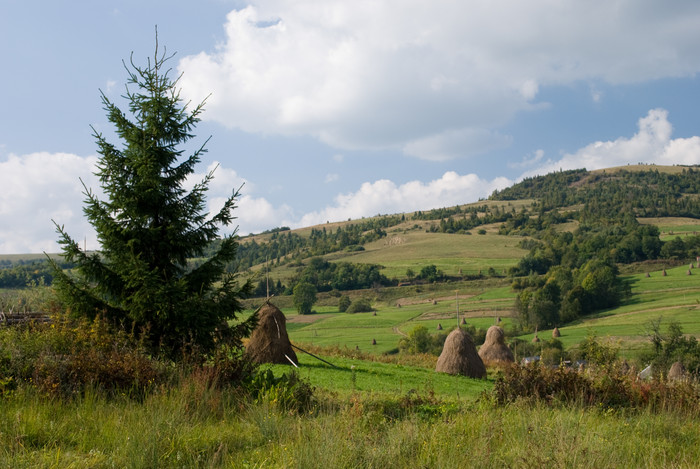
<point>555,333</point>
<point>495,351</point>
<point>535,339</point>
<point>459,356</point>
<point>676,372</point>
<point>269,342</point>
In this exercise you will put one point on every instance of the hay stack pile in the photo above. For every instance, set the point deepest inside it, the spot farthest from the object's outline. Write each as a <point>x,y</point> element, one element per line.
<point>269,342</point>
<point>495,351</point>
<point>677,372</point>
<point>459,356</point>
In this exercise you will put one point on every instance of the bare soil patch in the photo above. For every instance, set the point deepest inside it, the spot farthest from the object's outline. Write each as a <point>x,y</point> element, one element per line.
<point>308,318</point>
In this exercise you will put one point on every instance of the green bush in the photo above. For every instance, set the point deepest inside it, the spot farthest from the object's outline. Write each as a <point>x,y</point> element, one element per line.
<point>361,305</point>
<point>597,353</point>
<point>288,392</point>
<point>344,303</point>
<point>420,340</point>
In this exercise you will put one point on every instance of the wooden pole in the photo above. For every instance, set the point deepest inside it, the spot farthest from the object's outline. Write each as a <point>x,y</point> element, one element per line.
<point>317,358</point>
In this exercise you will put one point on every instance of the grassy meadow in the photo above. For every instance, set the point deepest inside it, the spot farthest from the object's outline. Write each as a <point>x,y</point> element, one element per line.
<point>195,427</point>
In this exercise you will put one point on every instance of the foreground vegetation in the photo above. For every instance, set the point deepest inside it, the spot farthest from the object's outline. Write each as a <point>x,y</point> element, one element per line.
<point>198,426</point>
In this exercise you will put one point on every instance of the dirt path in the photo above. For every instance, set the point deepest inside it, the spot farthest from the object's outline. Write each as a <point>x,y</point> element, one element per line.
<point>649,310</point>
<point>411,301</point>
<point>308,318</point>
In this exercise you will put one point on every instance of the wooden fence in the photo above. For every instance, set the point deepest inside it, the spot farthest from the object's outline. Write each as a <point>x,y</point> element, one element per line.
<point>17,318</point>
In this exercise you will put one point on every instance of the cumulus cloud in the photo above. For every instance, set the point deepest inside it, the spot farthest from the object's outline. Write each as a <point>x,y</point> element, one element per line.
<point>652,144</point>
<point>384,196</point>
<point>37,188</point>
<point>423,76</point>
<point>253,214</point>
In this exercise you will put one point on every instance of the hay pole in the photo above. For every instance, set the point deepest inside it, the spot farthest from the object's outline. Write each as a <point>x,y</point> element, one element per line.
<point>317,358</point>
<point>290,361</point>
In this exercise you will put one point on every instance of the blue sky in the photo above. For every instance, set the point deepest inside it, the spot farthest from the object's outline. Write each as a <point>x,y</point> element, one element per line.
<point>328,110</point>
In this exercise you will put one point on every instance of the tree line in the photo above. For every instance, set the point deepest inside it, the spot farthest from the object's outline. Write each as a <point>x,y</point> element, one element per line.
<point>27,273</point>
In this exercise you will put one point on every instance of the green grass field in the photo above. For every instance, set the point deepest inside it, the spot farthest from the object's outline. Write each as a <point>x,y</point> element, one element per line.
<point>207,428</point>
<point>674,297</point>
<point>404,249</point>
<point>350,375</point>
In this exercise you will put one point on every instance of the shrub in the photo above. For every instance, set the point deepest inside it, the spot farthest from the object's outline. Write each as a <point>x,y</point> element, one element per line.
<point>344,303</point>
<point>67,357</point>
<point>361,305</point>
<point>592,351</point>
<point>606,388</point>
<point>420,340</point>
<point>288,392</point>
<point>672,347</point>
<point>431,273</point>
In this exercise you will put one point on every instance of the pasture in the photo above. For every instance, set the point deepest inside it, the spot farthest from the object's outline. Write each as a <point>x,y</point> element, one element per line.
<point>674,297</point>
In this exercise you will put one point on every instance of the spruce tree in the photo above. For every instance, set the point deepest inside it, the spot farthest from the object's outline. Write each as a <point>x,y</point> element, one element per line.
<point>150,225</point>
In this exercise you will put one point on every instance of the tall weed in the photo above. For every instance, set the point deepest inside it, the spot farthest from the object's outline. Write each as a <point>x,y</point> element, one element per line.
<point>607,388</point>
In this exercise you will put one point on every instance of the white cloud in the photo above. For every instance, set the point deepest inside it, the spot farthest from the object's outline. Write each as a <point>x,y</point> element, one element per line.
<point>331,178</point>
<point>37,188</point>
<point>385,196</point>
<point>596,94</point>
<point>399,73</point>
<point>453,144</point>
<point>253,214</point>
<point>529,160</point>
<point>652,144</point>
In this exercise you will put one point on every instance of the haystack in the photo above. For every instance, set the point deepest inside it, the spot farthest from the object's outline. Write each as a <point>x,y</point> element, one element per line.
<point>459,356</point>
<point>269,342</point>
<point>556,333</point>
<point>495,351</point>
<point>677,371</point>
